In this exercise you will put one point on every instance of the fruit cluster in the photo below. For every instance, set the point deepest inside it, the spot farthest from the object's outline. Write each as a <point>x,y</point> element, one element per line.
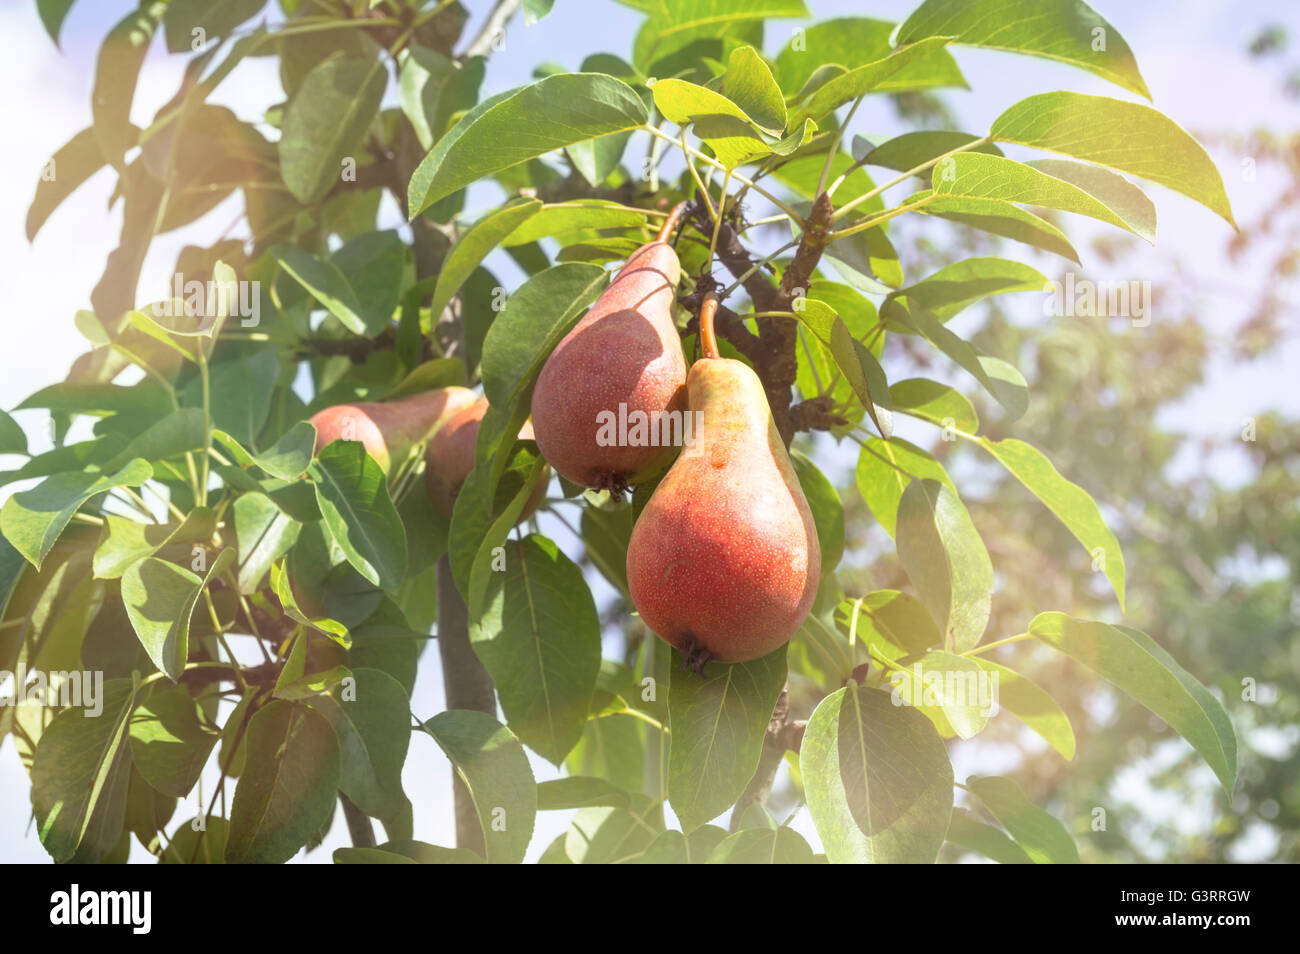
<point>723,561</point>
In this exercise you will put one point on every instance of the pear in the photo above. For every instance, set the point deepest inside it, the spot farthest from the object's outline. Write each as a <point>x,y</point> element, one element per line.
<point>625,351</point>
<point>390,429</point>
<point>450,458</point>
<point>723,562</point>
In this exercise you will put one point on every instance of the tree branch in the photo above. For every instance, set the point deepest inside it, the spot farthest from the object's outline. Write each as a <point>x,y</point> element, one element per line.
<point>773,351</point>
<point>359,826</point>
<point>481,45</point>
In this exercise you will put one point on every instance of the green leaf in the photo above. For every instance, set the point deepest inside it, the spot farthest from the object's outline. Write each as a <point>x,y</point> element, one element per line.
<point>263,533</point>
<point>877,779</point>
<point>1126,136</point>
<point>284,593</point>
<point>957,686</point>
<point>718,721</point>
<point>1061,30</point>
<point>117,69</point>
<point>239,394</point>
<point>286,791</point>
<point>603,836</point>
<point>965,832</point>
<point>762,846</point>
<point>868,78</point>
<point>292,453</point>
<point>1070,502</point>
<point>53,13</point>
<point>579,791</point>
<point>1001,379</point>
<point>674,25</point>
<point>80,774</point>
<point>434,87</point>
<point>954,287</point>
<point>974,175</point>
<point>885,468</point>
<point>1133,662</point>
<point>206,846</point>
<point>490,529</point>
<point>327,284</point>
<point>160,599</point>
<point>606,531</point>
<point>596,159</point>
<point>851,42</point>
<point>944,557</point>
<point>506,130</point>
<point>1118,194</point>
<point>568,221</point>
<point>493,766</point>
<point>32,520</point>
<point>352,494</point>
<point>999,217</point>
<point>146,397</point>
<point>474,245</point>
<point>12,438</point>
<point>325,122</point>
<point>539,638</point>
<point>128,540</point>
<point>370,856</point>
<point>1043,838</point>
<point>374,264</point>
<point>1032,706</point>
<point>912,149</point>
<point>178,433</point>
<point>534,10</point>
<point>371,715</point>
<point>216,19</point>
<point>75,161</point>
<point>894,623</point>
<point>934,402</point>
<point>828,512</point>
<point>169,743</point>
<point>864,374</point>
<point>416,852</point>
<point>536,317</point>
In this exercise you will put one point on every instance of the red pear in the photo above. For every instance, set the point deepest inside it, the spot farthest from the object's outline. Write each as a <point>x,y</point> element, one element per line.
<point>390,429</point>
<point>623,361</point>
<point>723,562</point>
<point>450,458</point>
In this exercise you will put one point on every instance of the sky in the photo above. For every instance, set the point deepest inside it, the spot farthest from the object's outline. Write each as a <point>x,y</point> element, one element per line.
<point>1190,53</point>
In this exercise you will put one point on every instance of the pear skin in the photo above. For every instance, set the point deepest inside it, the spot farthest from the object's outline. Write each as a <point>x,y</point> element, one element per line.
<point>723,562</point>
<point>625,350</point>
<point>450,458</point>
<point>389,429</point>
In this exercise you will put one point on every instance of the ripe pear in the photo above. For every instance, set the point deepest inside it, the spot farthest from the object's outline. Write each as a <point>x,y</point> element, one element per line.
<point>625,351</point>
<point>723,562</point>
<point>389,429</point>
<point>450,458</point>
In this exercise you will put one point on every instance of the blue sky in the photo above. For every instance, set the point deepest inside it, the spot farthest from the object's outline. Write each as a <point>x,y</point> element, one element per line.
<point>1190,53</point>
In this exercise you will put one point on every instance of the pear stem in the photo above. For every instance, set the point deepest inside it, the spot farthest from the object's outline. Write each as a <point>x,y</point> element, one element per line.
<point>708,340</point>
<point>674,219</point>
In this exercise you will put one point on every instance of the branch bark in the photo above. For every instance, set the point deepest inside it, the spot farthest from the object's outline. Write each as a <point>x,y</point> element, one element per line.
<point>467,685</point>
<point>360,829</point>
<point>481,45</point>
<point>773,350</point>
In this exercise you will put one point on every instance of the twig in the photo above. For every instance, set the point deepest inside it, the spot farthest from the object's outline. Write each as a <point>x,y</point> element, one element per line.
<point>496,22</point>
